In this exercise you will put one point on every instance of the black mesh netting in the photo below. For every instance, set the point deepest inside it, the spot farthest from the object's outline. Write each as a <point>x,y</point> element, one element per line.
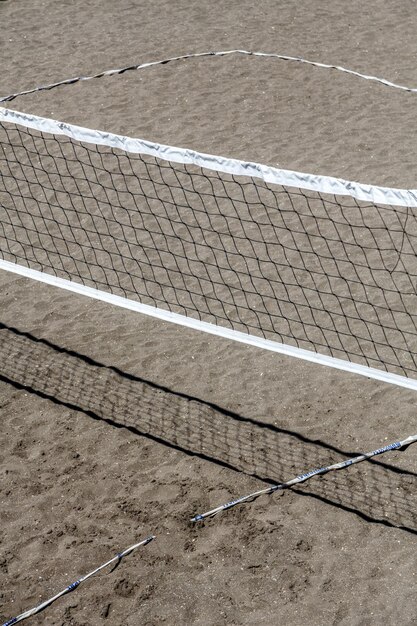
<point>317,271</point>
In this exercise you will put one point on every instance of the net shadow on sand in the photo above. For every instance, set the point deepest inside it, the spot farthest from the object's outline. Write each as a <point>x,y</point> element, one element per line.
<point>376,491</point>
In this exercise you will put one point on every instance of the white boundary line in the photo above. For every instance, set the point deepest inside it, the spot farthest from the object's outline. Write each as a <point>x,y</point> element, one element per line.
<point>288,178</point>
<point>212,329</point>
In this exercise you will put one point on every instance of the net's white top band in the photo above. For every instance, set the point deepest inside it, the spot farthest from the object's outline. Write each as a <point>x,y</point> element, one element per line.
<point>322,184</point>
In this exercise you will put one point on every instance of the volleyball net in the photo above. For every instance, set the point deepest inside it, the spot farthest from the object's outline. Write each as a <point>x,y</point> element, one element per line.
<point>311,266</point>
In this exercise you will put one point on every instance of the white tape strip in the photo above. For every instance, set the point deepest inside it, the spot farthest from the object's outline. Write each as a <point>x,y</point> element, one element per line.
<point>212,329</point>
<point>271,175</point>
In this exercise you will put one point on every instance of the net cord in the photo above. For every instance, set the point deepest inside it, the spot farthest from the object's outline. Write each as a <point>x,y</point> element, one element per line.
<point>288,178</point>
<point>220,53</point>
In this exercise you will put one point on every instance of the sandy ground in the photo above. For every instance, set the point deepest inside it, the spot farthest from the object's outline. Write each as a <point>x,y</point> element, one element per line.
<point>114,426</point>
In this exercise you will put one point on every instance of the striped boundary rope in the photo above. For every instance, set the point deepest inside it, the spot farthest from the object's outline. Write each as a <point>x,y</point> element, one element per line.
<point>200,517</point>
<point>75,584</point>
<point>303,477</point>
<point>282,57</point>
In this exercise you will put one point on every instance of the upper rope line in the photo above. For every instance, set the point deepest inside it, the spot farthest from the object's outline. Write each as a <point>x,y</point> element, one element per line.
<point>282,57</point>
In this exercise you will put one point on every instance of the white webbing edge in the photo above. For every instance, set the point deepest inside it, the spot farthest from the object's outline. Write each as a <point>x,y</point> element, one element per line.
<point>212,329</point>
<point>272,175</point>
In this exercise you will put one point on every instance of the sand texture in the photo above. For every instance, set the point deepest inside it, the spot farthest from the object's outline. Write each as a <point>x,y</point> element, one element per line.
<point>115,426</point>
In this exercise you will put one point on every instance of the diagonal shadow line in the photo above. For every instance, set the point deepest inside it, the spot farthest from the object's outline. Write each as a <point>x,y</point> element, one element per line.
<point>215,407</point>
<point>204,457</point>
<point>132,429</point>
<point>380,493</point>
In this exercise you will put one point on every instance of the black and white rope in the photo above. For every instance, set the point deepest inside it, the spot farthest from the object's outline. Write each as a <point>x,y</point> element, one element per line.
<point>221,53</point>
<point>76,583</point>
<point>397,445</point>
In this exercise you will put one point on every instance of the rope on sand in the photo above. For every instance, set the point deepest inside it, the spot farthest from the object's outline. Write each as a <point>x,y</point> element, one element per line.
<point>282,57</point>
<point>200,517</point>
<point>75,584</point>
<point>303,477</point>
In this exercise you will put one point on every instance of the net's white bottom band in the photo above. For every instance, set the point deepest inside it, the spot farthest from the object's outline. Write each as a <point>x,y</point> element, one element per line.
<point>213,329</point>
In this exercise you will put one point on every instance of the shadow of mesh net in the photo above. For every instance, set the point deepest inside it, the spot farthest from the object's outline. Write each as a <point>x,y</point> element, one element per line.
<point>378,491</point>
